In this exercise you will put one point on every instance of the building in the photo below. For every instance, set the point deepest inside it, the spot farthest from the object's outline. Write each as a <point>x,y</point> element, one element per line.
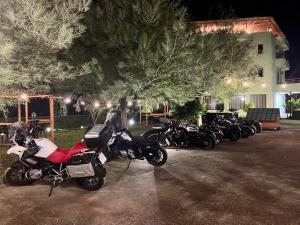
<point>271,45</point>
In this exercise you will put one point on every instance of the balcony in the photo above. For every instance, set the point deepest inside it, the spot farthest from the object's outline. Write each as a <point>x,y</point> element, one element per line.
<point>282,43</point>
<point>292,81</point>
<point>283,64</point>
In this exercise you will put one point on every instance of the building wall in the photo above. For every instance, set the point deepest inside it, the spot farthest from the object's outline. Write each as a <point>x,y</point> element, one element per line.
<point>266,60</point>
<point>272,63</point>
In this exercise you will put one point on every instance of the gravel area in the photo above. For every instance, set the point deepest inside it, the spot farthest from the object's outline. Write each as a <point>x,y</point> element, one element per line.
<point>255,181</point>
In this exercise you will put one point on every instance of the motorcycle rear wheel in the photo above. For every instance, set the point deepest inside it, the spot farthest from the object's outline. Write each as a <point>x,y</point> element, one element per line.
<point>15,175</point>
<point>93,183</point>
<point>157,157</point>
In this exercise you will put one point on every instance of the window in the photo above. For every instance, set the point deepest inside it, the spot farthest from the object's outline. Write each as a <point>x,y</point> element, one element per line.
<point>259,100</point>
<point>237,102</point>
<point>260,72</point>
<point>260,49</point>
<point>280,77</point>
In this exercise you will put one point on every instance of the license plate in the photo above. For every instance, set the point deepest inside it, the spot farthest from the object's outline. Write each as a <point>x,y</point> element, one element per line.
<point>102,158</point>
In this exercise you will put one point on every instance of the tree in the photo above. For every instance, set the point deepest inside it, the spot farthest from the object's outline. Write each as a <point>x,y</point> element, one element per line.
<point>292,105</point>
<point>189,111</point>
<point>150,50</point>
<point>32,34</point>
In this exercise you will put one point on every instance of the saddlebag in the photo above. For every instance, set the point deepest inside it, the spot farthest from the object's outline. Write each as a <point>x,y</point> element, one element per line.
<point>92,138</point>
<point>81,165</point>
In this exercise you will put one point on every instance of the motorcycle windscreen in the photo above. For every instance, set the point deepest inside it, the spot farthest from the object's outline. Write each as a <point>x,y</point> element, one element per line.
<point>46,147</point>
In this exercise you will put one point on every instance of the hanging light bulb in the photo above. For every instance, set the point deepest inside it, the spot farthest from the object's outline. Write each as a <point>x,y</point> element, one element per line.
<point>24,96</point>
<point>96,104</point>
<point>108,105</point>
<point>67,100</point>
<point>129,103</point>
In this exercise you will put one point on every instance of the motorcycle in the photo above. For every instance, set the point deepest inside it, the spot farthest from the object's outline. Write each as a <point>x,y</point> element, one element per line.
<point>41,159</point>
<point>184,135</point>
<point>123,144</point>
<point>246,130</point>
<point>231,131</point>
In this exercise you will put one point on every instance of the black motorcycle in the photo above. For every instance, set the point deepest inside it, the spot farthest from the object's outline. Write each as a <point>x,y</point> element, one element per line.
<point>185,135</point>
<point>246,130</point>
<point>230,130</point>
<point>121,143</point>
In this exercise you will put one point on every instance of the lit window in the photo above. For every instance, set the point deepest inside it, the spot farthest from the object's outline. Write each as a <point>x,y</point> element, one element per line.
<point>260,49</point>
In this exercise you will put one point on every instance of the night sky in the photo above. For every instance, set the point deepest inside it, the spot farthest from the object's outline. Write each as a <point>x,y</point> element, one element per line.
<point>286,13</point>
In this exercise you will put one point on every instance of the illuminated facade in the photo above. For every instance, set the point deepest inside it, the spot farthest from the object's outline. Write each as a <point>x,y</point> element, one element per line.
<point>271,44</point>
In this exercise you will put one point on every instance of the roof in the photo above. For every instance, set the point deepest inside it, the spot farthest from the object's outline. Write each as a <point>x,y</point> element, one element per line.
<point>250,25</point>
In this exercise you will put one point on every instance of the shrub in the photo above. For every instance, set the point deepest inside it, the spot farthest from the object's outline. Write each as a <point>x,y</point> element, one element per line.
<point>248,106</point>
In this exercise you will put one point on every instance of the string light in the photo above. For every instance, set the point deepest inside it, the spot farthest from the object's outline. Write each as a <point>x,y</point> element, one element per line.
<point>96,104</point>
<point>108,105</point>
<point>82,102</point>
<point>68,100</point>
<point>24,96</point>
<point>129,103</point>
<point>263,85</point>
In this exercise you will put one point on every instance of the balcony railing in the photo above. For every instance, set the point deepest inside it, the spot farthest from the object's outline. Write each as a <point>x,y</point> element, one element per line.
<point>292,81</point>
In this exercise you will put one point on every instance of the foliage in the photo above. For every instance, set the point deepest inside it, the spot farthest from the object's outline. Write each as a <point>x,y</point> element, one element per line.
<point>156,53</point>
<point>32,34</point>
<point>248,106</point>
<point>291,105</point>
<point>190,111</point>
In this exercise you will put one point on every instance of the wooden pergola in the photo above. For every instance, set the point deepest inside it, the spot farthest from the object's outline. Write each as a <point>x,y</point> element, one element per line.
<point>26,99</point>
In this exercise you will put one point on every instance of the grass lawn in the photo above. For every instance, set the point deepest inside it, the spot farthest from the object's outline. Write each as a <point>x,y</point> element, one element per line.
<point>63,139</point>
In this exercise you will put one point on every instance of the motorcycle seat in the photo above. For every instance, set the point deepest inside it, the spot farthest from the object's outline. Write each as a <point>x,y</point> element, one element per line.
<point>145,140</point>
<point>61,155</point>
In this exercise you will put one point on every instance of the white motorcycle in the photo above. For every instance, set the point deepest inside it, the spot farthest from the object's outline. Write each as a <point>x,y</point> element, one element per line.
<point>42,159</point>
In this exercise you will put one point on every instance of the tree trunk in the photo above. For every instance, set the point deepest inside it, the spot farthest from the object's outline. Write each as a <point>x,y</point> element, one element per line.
<point>123,113</point>
<point>199,119</point>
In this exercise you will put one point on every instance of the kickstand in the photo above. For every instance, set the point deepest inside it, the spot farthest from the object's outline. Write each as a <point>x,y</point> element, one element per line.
<point>50,192</point>
<point>53,185</point>
<point>129,163</point>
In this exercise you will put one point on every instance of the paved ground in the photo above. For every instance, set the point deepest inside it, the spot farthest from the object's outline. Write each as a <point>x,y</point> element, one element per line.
<point>255,181</point>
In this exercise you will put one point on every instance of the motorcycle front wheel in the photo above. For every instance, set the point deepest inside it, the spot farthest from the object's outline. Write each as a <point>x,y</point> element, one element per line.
<point>15,175</point>
<point>208,142</point>
<point>235,136</point>
<point>157,157</point>
<point>246,132</point>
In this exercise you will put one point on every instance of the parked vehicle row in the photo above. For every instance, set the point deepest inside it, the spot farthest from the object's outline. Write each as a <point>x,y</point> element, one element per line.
<point>211,133</point>
<point>41,159</point>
